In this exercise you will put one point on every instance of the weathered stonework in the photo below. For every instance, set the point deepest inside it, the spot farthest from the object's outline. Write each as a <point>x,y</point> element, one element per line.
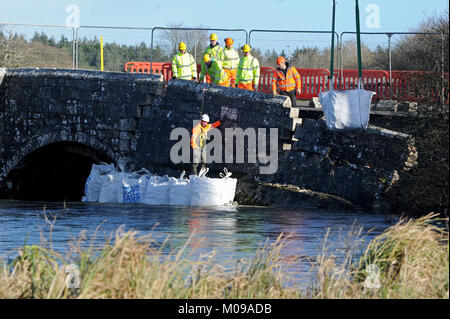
<point>129,118</point>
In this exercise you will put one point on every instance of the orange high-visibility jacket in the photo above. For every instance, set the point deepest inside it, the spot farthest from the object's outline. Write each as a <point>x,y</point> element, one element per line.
<point>288,82</point>
<point>199,134</point>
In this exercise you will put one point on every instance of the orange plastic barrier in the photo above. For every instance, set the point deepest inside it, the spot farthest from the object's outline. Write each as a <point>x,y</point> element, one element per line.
<point>143,67</point>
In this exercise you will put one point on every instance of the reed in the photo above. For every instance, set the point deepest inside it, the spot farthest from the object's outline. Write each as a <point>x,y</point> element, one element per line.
<point>412,259</point>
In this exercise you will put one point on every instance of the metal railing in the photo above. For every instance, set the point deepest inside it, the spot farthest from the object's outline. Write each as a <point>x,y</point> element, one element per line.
<point>74,32</point>
<point>389,36</point>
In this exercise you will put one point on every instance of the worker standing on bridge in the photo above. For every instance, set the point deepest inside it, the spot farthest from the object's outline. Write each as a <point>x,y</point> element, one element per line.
<point>198,141</point>
<point>287,79</point>
<point>230,61</point>
<point>183,64</point>
<point>248,71</point>
<point>215,51</point>
<point>214,69</point>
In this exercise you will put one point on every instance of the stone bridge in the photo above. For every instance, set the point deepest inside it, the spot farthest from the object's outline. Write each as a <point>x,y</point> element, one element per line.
<point>56,123</point>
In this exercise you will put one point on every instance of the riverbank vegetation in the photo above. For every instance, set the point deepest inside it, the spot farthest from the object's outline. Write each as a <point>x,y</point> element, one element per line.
<point>409,260</point>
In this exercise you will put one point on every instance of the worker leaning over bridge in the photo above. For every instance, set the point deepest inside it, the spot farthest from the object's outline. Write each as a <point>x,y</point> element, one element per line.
<point>287,79</point>
<point>215,51</point>
<point>183,64</point>
<point>198,141</point>
<point>214,69</point>
<point>230,61</point>
<point>248,71</point>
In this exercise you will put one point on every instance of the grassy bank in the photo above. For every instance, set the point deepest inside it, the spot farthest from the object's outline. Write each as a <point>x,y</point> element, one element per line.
<point>411,259</point>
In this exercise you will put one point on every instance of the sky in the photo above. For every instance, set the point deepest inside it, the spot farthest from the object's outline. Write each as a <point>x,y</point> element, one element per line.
<point>375,16</point>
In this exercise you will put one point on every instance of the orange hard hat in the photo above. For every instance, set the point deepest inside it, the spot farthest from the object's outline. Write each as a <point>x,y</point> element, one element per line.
<point>280,60</point>
<point>229,41</point>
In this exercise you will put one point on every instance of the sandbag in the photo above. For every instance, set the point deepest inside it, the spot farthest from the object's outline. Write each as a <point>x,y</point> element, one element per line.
<point>157,191</point>
<point>112,188</point>
<point>348,109</point>
<point>95,181</point>
<point>133,187</point>
<point>206,191</point>
<point>229,188</point>
<point>180,191</point>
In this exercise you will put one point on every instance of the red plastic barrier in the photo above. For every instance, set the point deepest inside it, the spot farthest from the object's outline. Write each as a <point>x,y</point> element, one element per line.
<point>418,86</point>
<point>314,81</point>
<point>372,80</point>
<point>265,79</point>
<point>406,85</point>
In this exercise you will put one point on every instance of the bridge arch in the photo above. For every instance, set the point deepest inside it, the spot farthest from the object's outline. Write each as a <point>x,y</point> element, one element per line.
<point>54,167</point>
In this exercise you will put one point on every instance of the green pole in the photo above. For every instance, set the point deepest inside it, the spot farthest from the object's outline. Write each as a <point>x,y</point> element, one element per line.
<point>358,41</point>
<point>332,41</point>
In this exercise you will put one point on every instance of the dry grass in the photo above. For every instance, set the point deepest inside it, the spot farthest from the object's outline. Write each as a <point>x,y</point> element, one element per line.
<point>412,262</point>
<point>412,257</point>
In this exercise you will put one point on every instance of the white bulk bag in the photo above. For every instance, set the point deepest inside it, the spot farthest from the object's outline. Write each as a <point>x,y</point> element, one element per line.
<point>206,191</point>
<point>95,181</point>
<point>228,188</point>
<point>157,191</point>
<point>348,109</point>
<point>133,187</point>
<point>112,188</point>
<point>180,191</point>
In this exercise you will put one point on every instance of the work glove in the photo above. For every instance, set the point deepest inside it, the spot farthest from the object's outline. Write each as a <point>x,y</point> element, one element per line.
<point>299,91</point>
<point>274,93</point>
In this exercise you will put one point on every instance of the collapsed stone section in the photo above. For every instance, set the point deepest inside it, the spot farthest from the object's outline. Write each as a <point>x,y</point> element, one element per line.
<point>358,165</point>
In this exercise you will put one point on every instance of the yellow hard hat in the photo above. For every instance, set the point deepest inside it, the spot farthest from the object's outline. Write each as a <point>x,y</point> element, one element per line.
<point>206,58</point>
<point>213,36</point>
<point>182,46</point>
<point>246,48</point>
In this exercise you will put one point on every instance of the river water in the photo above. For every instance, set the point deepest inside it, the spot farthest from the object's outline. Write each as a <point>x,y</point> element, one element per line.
<point>233,233</point>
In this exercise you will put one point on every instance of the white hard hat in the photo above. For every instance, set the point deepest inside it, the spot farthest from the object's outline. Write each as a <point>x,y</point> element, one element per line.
<point>205,118</point>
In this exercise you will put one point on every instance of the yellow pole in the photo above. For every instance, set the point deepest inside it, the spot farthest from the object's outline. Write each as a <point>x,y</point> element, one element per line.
<point>101,53</point>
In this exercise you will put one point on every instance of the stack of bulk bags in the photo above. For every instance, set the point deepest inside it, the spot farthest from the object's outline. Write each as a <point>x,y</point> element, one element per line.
<point>97,177</point>
<point>106,185</point>
<point>157,191</point>
<point>180,191</point>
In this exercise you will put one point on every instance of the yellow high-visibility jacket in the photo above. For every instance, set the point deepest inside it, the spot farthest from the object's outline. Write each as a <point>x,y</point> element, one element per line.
<point>230,59</point>
<point>216,72</point>
<point>216,52</point>
<point>248,70</point>
<point>183,66</point>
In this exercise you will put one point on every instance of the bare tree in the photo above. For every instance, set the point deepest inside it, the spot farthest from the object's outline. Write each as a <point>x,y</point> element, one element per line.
<point>195,40</point>
<point>11,49</point>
